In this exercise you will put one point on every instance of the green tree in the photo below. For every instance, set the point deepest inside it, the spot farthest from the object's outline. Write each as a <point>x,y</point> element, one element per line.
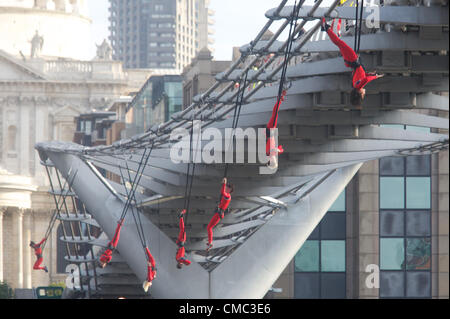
<point>6,292</point>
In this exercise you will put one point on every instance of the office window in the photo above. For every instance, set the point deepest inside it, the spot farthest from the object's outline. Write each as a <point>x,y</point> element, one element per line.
<point>418,223</point>
<point>392,223</point>
<point>392,253</point>
<point>392,166</point>
<point>418,165</point>
<point>392,284</point>
<point>405,227</point>
<point>320,265</point>
<point>418,253</point>
<point>418,284</point>
<point>333,255</point>
<point>418,194</point>
<point>392,192</point>
<point>308,257</point>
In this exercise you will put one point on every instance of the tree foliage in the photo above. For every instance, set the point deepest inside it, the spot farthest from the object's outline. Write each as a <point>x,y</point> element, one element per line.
<point>6,292</point>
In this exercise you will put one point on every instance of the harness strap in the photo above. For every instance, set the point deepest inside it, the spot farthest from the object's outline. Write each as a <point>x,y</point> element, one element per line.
<point>354,65</point>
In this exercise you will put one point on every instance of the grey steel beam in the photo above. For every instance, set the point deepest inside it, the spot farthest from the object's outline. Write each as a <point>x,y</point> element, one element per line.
<point>107,209</point>
<point>433,101</point>
<point>412,63</point>
<point>392,41</point>
<point>277,241</point>
<point>316,84</point>
<point>402,15</point>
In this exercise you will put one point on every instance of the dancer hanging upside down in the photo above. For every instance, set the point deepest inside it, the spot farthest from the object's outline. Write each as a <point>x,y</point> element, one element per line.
<point>360,77</point>
<point>38,252</point>
<point>181,260</point>
<point>271,149</point>
<point>106,257</point>
<point>225,199</point>
<point>151,270</point>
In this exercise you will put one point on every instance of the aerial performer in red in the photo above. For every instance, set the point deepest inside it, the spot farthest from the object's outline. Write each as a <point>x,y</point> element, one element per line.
<point>181,260</point>
<point>151,270</point>
<point>351,59</point>
<point>271,149</point>
<point>106,257</point>
<point>38,252</point>
<point>225,199</point>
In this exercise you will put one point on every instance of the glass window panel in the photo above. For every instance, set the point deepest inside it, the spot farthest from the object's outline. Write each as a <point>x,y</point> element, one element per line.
<point>418,284</point>
<point>396,126</point>
<point>392,284</point>
<point>88,127</point>
<point>307,259</point>
<point>418,253</point>
<point>333,226</point>
<point>392,166</point>
<point>418,223</point>
<point>392,223</point>
<point>392,253</point>
<point>332,286</point>
<point>306,286</point>
<point>392,192</point>
<point>315,233</point>
<point>333,255</point>
<point>418,128</point>
<point>418,192</point>
<point>418,165</point>
<point>339,204</point>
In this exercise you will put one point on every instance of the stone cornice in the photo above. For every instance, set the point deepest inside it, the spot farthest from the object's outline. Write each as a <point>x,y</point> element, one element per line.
<point>9,10</point>
<point>64,82</point>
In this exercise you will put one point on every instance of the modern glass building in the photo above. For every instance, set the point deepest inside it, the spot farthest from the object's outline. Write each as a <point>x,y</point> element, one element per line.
<point>159,98</point>
<point>405,226</point>
<point>319,266</point>
<point>386,236</point>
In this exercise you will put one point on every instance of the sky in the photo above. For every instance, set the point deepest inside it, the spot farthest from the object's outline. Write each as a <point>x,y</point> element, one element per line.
<point>237,22</point>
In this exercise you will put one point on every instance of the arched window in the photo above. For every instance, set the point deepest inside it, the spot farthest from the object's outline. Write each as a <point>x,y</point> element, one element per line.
<point>12,138</point>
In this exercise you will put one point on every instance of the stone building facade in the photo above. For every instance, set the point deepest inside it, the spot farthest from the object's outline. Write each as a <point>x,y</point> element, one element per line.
<point>45,82</point>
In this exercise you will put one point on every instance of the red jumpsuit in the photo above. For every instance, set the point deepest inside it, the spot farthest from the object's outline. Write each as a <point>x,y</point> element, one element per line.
<point>180,242</point>
<point>107,255</point>
<point>273,123</point>
<point>225,200</point>
<point>38,252</point>
<point>151,269</point>
<point>360,77</point>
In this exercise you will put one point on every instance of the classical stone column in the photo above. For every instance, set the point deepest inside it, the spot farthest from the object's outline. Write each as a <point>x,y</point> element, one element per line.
<point>17,247</point>
<point>41,4</point>
<point>60,5</point>
<point>2,210</point>
<point>75,6</point>
<point>27,250</point>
